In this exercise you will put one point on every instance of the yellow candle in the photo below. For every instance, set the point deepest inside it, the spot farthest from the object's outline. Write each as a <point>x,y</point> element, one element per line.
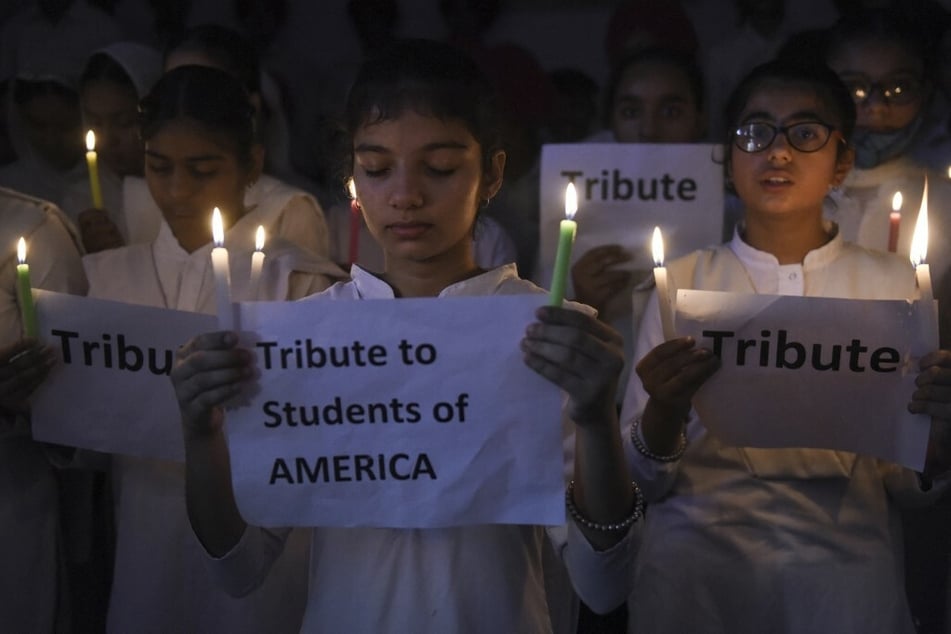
<point>91,162</point>
<point>257,263</point>
<point>566,238</point>
<point>222,272</point>
<point>919,249</point>
<point>25,292</point>
<point>663,289</point>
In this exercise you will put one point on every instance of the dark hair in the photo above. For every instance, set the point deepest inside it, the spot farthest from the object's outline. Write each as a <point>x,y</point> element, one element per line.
<point>25,90</point>
<point>882,25</point>
<point>102,67</point>
<point>820,79</point>
<point>683,62</point>
<point>207,96</point>
<point>227,48</point>
<point>430,78</point>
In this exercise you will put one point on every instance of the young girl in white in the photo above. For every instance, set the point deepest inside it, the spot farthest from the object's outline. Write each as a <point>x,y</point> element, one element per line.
<point>425,154</point>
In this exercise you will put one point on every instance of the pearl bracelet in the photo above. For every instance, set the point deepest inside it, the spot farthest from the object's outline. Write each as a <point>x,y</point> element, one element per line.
<point>645,451</point>
<point>623,525</point>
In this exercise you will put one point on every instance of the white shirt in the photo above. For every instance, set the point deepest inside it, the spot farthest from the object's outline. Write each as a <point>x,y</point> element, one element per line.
<point>771,540</point>
<point>160,584</point>
<point>29,506</point>
<point>462,579</point>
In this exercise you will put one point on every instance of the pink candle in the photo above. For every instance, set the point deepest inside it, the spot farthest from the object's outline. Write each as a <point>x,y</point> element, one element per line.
<point>894,222</point>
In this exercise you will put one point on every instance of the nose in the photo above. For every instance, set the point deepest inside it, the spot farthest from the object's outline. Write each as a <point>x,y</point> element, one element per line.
<point>647,131</point>
<point>872,110</point>
<point>178,186</point>
<point>779,150</point>
<point>406,192</point>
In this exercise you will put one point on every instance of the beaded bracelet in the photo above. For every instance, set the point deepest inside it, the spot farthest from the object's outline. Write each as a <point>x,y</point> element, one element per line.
<point>645,451</point>
<point>623,525</point>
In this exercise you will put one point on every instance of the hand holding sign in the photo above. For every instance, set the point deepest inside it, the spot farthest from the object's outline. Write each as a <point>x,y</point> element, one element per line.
<point>209,371</point>
<point>596,280</point>
<point>933,397</point>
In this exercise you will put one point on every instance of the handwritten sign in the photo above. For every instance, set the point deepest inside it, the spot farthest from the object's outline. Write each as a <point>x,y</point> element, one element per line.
<point>812,372</point>
<point>110,390</point>
<point>409,413</point>
<point>625,189</point>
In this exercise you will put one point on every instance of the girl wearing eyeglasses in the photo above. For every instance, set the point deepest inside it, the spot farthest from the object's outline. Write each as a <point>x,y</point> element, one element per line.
<point>740,539</point>
<point>881,58</point>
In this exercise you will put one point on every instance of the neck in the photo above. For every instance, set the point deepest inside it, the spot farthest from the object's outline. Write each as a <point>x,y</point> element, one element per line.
<point>789,240</point>
<point>427,278</point>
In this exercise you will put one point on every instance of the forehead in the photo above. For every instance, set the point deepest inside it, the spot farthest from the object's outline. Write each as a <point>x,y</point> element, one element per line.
<point>874,58</point>
<point>184,138</point>
<point>782,102</point>
<point>410,131</point>
<point>654,77</point>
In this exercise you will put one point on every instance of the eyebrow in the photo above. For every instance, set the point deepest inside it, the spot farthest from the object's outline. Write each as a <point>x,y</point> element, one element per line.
<point>801,115</point>
<point>429,147</point>
<point>201,158</point>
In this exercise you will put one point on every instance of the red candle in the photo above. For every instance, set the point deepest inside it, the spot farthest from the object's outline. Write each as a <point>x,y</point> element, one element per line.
<point>894,222</point>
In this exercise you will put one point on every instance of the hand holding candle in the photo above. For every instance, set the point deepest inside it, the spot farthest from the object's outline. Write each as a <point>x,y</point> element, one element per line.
<point>92,164</point>
<point>894,222</point>
<point>222,272</point>
<point>566,238</point>
<point>25,292</point>
<point>663,290</point>
<point>257,263</point>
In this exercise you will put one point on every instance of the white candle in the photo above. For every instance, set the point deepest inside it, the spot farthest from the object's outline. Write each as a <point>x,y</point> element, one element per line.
<point>219,263</point>
<point>919,249</point>
<point>663,290</point>
<point>257,263</point>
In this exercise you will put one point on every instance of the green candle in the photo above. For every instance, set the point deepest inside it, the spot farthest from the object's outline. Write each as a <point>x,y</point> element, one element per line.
<point>566,238</point>
<point>25,292</point>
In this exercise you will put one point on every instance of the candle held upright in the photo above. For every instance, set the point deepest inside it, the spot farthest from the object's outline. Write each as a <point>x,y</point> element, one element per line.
<point>566,239</point>
<point>93,165</point>
<point>663,288</point>
<point>356,220</point>
<point>25,292</point>
<point>919,249</point>
<point>257,263</point>
<point>222,273</point>
<point>894,222</point>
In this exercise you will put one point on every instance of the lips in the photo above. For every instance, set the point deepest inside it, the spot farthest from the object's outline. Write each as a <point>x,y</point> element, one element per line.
<point>409,230</point>
<point>776,180</point>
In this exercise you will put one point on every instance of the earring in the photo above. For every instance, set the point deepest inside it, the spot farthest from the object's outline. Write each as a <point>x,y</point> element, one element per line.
<point>486,202</point>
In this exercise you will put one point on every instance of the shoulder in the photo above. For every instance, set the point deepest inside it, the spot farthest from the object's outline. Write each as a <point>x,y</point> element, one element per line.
<point>23,214</point>
<point>707,258</point>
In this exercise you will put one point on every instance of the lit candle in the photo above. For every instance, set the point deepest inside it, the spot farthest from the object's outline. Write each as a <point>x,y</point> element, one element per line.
<point>257,263</point>
<point>566,238</point>
<point>663,290</point>
<point>219,263</point>
<point>25,292</point>
<point>356,219</point>
<point>919,249</point>
<point>894,221</point>
<point>91,162</point>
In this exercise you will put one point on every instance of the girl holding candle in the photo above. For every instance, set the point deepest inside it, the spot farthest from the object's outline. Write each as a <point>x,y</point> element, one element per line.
<point>426,152</point>
<point>773,540</point>
<point>200,154</point>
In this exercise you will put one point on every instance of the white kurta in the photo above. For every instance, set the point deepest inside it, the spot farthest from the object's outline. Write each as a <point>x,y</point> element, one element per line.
<point>159,582</point>
<point>744,540</point>
<point>28,496</point>
<point>462,579</point>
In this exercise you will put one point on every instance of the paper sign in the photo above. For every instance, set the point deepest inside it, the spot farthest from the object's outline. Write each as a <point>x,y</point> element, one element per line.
<point>812,372</point>
<point>110,390</point>
<point>410,413</point>
<point>624,190</point>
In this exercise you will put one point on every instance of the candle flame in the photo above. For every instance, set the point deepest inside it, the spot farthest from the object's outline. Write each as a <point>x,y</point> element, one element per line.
<point>919,239</point>
<point>217,229</point>
<point>259,239</point>
<point>91,141</point>
<point>896,201</point>
<point>21,251</point>
<point>352,188</point>
<point>657,247</point>
<point>571,201</point>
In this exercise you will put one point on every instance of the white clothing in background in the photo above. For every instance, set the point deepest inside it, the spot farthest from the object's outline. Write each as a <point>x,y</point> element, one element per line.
<point>159,582</point>
<point>29,519</point>
<point>745,540</point>
<point>461,579</point>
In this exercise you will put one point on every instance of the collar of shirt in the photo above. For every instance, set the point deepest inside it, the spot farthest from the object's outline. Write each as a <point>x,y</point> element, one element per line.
<point>369,286</point>
<point>768,276</point>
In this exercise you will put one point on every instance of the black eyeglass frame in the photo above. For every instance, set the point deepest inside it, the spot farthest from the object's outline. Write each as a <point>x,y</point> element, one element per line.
<point>784,129</point>
<point>913,92</point>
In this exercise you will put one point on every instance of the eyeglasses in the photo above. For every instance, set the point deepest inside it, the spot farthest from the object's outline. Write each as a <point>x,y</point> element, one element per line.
<point>897,90</point>
<point>807,136</point>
